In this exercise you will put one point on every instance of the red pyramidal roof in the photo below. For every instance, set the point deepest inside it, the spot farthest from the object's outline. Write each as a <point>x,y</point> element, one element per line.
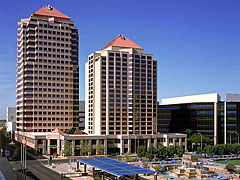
<point>123,41</point>
<point>57,130</point>
<point>49,11</point>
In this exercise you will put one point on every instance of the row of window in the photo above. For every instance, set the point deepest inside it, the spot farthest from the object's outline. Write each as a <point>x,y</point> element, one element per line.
<point>47,25</point>
<point>49,67</point>
<point>48,72</point>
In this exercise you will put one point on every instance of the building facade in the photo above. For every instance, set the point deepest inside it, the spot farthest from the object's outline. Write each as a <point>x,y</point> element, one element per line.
<point>47,72</point>
<point>121,90</point>
<point>53,142</point>
<point>81,115</point>
<point>11,119</point>
<point>205,114</point>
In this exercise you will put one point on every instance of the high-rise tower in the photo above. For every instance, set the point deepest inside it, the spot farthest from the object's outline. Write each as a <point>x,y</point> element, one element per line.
<point>121,90</point>
<point>47,72</point>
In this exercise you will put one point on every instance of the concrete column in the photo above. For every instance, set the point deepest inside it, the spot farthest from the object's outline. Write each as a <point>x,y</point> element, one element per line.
<point>180,142</point>
<point>93,172</point>
<point>36,150</point>
<point>155,142</point>
<point>129,145</point>
<point>85,168</point>
<point>103,176</point>
<point>89,146</point>
<point>58,146</point>
<point>36,143</point>
<point>48,146</point>
<point>97,142</point>
<point>174,142</point>
<point>167,140</point>
<point>149,142</point>
<point>185,144</point>
<point>105,146</point>
<point>225,123</point>
<point>44,147</point>
<point>73,147</point>
<point>136,177</point>
<point>122,146</point>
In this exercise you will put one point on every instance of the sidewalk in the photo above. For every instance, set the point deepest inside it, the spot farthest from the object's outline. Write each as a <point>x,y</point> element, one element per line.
<point>64,168</point>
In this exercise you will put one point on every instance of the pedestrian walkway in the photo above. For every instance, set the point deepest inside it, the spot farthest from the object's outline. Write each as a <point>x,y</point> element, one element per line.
<point>62,167</point>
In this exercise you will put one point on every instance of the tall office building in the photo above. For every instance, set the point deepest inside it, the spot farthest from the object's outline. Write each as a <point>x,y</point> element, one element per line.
<point>121,90</point>
<point>47,72</point>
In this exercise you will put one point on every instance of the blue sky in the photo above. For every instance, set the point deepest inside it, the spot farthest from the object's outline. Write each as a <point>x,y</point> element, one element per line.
<point>196,42</point>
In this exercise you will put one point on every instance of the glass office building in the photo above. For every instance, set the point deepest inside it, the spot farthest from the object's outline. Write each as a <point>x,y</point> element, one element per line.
<point>205,114</point>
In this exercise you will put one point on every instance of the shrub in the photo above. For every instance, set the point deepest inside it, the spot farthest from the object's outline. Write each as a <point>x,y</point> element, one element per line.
<point>230,166</point>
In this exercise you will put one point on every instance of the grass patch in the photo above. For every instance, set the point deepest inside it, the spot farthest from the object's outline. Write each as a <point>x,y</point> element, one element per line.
<point>235,161</point>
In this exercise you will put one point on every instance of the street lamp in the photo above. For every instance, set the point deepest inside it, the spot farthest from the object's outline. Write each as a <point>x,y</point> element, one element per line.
<point>201,140</point>
<point>238,136</point>
<point>70,158</point>
<point>230,137</point>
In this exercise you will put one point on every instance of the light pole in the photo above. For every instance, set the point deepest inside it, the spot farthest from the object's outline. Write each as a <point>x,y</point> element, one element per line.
<point>230,137</point>
<point>70,158</point>
<point>238,136</point>
<point>201,140</point>
<point>193,145</point>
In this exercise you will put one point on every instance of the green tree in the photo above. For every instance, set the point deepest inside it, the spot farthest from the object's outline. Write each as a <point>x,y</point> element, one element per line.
<point>159,168</point>
<point>100,148</point>
<point>208,149</point>
<point>162,152</point>
<point>141,152</point>
<point>67,149</point>
<point>170,151</point>
<point>189,132</point>
<point>179,151</point>
<point>230,166</point>
<point>84,147</point>
<point>127,157</point>
<point>151,152</point>
<point>196,138</point>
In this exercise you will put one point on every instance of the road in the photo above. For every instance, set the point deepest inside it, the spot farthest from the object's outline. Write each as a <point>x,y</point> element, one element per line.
<point>37,169</point>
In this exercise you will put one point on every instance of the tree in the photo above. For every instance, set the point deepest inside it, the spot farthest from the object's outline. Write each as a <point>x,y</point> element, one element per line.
<point>159,168</point>
<point>199,150</point>
<point>100,148</point>
<point>208,149</point>
<point>189,132</point>
<point>162,152</point>
<point>151,151</point>
<point>127,157</point>
<point>84,147</point>
<point>196,138</point>
<point>179,151</point>
<point>170,151</point>
<point>141,152</point>
<point>230,166</point>
<point>67,149</point>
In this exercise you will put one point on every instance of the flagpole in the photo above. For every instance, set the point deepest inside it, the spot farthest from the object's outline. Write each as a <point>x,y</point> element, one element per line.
<point>21,159</point>
<point>25,160</point>
<point>25,165</point>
